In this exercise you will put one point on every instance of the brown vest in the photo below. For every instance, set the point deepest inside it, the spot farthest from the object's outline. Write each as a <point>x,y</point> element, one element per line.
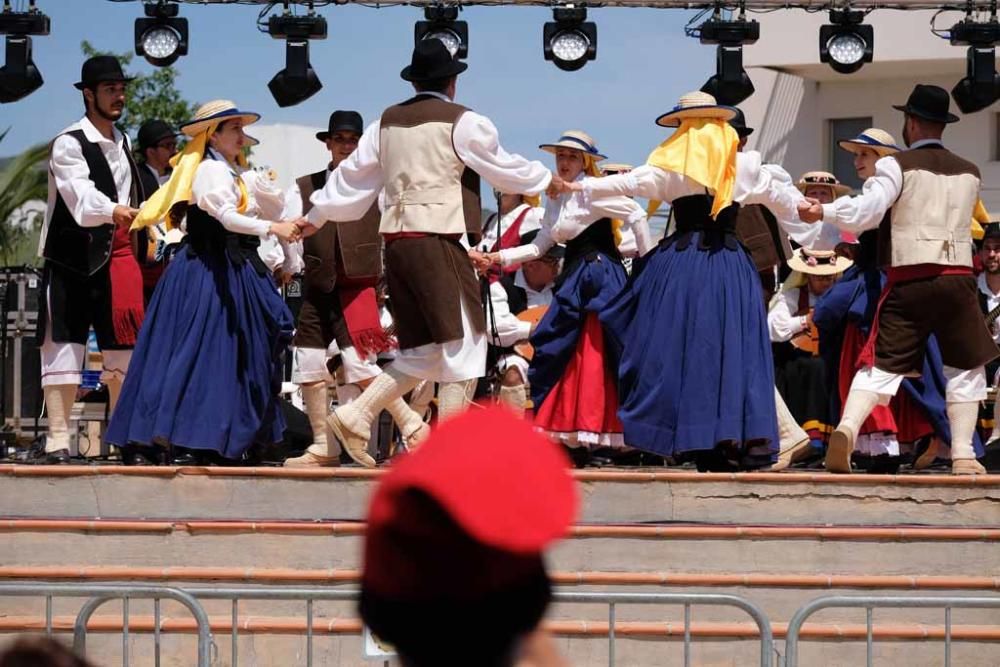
<point>931,218</point>
<point>428,189</point>
<point>355,246</point>
<point>757,229</point>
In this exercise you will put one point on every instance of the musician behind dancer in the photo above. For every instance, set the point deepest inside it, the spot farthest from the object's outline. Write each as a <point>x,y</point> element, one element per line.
<point>989,300</point>
<point>518,215</point>
<point>528,287</point>
<point>799,371</point>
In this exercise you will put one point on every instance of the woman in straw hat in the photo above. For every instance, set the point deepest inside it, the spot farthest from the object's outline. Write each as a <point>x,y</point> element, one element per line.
<point>209,355</point>
<point>572,373</point>
<point>844,317</point>
<point>696,374</point>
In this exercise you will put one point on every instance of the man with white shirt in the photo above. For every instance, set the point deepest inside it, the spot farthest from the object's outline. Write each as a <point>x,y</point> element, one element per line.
<point>989,300</point>
<point>428,154</point>
<point>91,278</point>
<point>529,286</point>
<point>157,144</point>
<point>343,264</point>
<point>926,249</point>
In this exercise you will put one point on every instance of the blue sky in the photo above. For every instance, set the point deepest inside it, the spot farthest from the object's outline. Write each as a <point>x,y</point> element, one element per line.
<point>644,63</point>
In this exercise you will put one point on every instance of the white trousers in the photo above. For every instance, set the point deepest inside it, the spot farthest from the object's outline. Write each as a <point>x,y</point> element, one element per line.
<point>964,386</point>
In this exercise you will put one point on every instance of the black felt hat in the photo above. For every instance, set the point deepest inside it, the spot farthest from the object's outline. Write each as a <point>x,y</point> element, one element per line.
<point>739,123</point>
<point>343,120</point>
<point>930,103</point>
<point>153,132</point>
<point>431,60</point>
<point>100,69</point>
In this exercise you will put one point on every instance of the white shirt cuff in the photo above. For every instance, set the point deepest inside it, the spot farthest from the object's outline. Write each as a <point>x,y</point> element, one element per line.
<point>830,214</point>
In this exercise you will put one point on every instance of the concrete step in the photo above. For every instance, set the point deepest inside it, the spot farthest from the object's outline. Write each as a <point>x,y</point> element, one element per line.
<point>610,496</point>
<point>271,640</point>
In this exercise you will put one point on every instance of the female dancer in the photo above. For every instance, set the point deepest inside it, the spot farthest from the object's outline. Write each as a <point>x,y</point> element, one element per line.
<point>207,363</point>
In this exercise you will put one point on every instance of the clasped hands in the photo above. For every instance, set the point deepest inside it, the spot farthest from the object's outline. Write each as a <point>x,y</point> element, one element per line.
<point>292,230</point>
<point>557,186</point>
<point>810,210</point>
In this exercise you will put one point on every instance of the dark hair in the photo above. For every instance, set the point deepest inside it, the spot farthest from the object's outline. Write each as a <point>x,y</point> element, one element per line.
<point>433,85</point>
<point>40,652</point>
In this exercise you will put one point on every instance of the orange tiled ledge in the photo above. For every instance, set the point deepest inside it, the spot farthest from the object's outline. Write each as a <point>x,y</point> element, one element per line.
<point>879,533</point>
<point>587,578</point>
<point>636,476</point>
<point>577,628</point>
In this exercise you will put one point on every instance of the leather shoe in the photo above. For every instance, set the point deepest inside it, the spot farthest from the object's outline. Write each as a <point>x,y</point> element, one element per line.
<point>58,457</point>
<point>138,456</point>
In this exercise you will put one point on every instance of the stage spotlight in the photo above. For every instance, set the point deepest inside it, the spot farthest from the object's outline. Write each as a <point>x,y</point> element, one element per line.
<point>848,43</point>
<point>730,84</point>
<point>570,41</point>
<point>981,86</point>
<point>298,81</point>
<point>442,23</point>
<point>161,37</point>
<point>19,77</point>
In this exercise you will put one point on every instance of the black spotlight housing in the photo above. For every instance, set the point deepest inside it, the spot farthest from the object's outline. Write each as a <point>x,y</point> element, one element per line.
<point>298,80</point>
<point>570,40</point>
<point>19,77</point>
<point>730,84</point>
<point>161,38</point>
<point>846,43</point>
<point>981,86</point>
<point>442,23</point>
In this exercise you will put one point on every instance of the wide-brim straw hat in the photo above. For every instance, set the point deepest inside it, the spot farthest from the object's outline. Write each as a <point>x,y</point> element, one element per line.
<point>696,105</point>
<point>214,112</point>
<point>818,262</point>
<point>576,140</point>
<point>822,178</point>
<point>873,138</point>
<point>610,168</point>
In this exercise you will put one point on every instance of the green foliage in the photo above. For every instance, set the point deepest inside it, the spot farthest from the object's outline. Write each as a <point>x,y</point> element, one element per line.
<point>149,96</point>
<point>22,180</point>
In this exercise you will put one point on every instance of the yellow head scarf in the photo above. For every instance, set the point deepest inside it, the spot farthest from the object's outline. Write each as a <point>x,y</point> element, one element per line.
<point>980,217</point>
<point>590,168</point>
<point>704,150</point>
<point>178,189</point>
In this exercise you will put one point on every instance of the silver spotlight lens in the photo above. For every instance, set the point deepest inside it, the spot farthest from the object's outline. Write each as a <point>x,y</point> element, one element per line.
<point>846,49</point>
<point>160,43</point>
<point>570,45</point>
<point>450,40</point>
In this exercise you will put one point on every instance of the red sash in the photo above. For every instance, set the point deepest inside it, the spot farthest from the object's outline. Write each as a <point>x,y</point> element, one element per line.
<point>509,239</point>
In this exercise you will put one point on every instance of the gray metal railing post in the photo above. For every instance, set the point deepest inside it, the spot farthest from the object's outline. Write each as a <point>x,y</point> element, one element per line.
<point>870,602</point>
<point>98,595</point>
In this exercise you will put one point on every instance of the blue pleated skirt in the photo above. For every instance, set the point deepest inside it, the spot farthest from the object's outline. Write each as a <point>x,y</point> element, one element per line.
<point>206,369</point>
<point>696,369</point>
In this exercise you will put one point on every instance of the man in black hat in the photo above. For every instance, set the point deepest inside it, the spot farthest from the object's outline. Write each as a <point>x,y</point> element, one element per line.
<point>925,246</point>
<point>91,278</point>
<point>343,263</point>
<point>157,144</point>
<point>428,154</point>
<point>989,301</point>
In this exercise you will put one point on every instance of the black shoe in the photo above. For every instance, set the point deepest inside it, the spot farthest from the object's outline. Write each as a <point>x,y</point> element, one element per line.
<point>580,456</point>
<point>183,459</point>
<point>883,464</point>
<point>139,455</point>
<point>57,458</point>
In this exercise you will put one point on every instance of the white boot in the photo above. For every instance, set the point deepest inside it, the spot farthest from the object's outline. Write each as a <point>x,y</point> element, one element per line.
<point>963,417</point>
<point>996,422</point>
<point>413,428</point>
<point>351,424</point>
<point>514,397</point>
<point>454,398</point>
<point>858,406</point>
<point>793,440</point>
<point>317,404</point>
<point>59,400</point>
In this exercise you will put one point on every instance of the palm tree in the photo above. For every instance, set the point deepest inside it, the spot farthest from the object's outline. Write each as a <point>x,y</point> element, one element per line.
<point>22,179</point>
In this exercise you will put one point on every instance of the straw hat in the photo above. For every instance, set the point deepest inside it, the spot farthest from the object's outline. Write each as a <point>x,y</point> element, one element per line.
<point>696,105</point>
<point>877,140</point>
<point>576,140</point>
<point>611,168</point>
<point>818,262</point>
<point>214,112</point>
<point>814,178</point>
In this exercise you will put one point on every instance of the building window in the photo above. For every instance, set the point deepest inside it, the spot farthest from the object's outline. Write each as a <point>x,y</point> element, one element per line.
<point>842,162</point>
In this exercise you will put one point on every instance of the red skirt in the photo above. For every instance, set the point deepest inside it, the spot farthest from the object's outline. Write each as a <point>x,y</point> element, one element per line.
<point>585,399</point>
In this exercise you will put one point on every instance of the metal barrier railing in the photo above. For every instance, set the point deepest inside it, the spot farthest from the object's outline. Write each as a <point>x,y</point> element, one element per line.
<point>311,595</point>
<point>99,595</point>
<point>868,603</point>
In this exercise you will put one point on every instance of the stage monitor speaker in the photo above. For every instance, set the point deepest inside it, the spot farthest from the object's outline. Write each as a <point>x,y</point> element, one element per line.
<point>21,362</point>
